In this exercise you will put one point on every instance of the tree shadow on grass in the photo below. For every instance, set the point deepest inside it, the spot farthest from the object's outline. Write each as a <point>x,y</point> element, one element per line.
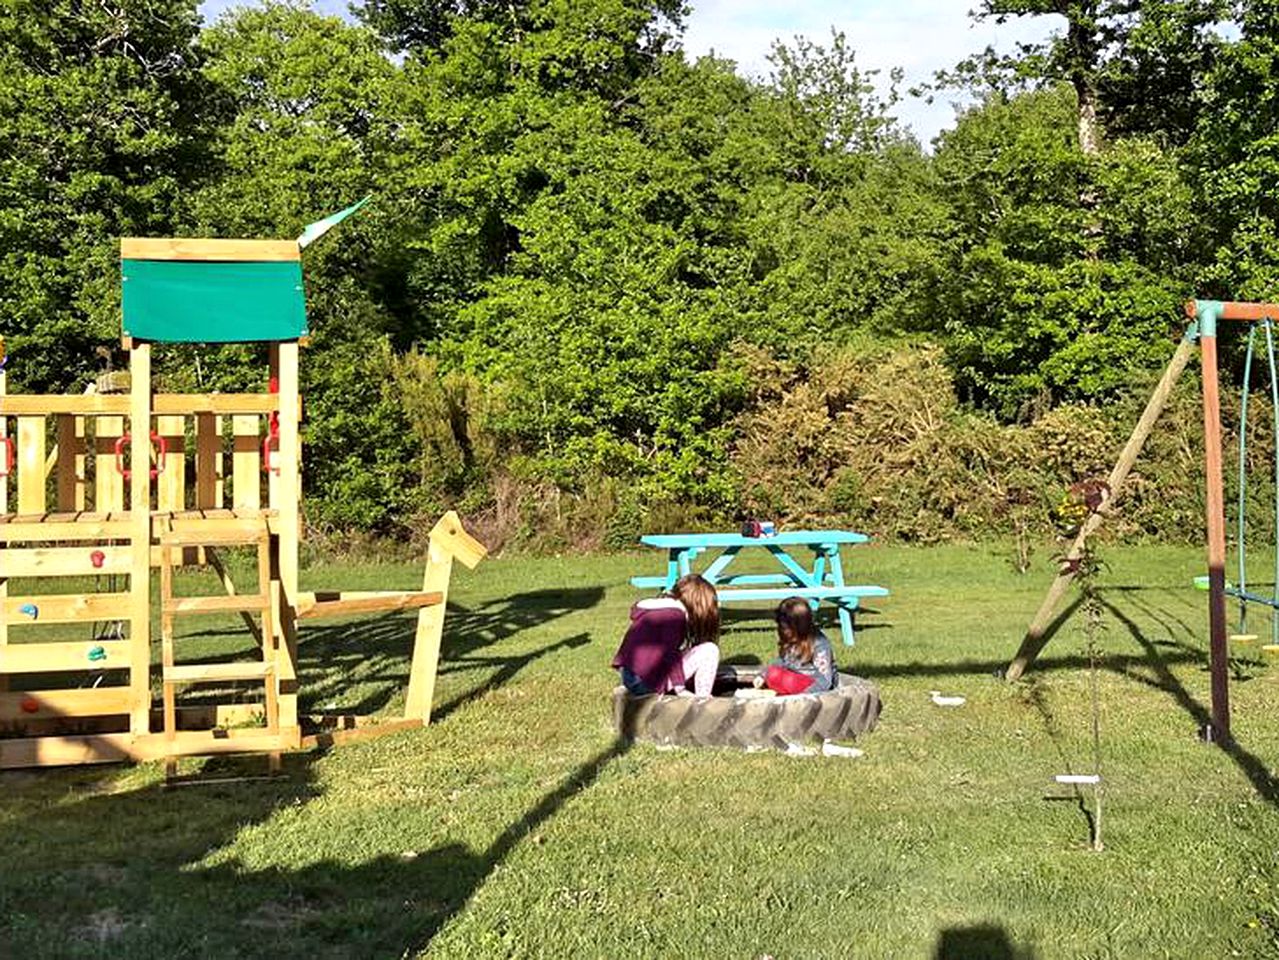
<point>144,872</point>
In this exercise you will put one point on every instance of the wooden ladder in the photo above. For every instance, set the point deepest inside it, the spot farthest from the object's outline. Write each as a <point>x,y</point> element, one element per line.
<point>172,545</point>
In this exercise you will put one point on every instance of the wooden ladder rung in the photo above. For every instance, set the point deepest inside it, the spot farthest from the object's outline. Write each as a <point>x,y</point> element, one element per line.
<point>217,672</point>
<point>232,603</point>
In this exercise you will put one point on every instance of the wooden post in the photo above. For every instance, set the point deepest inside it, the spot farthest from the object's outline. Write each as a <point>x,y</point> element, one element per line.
<point>448,540</point>
<point>4,508</point>
<point>140,539</point>
<point>287,540</point>
<point>1216,517</point>
<point>70,462</point>
<point>31,457</point>
<point>1034,640</point>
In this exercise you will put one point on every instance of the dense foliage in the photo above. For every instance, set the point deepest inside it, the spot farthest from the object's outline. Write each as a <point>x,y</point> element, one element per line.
<point>603,288</point>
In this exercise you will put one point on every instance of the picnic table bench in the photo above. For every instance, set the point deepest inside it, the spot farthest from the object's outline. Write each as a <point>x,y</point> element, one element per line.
<point>821,579</point>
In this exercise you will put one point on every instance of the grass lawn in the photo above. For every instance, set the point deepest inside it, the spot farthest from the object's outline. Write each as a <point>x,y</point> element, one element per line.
<point>517,825</point>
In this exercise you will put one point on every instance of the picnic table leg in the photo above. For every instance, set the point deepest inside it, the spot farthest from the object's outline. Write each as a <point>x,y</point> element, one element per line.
<point>845,607</point>
<point>712,573</point>
<point>672,569</point>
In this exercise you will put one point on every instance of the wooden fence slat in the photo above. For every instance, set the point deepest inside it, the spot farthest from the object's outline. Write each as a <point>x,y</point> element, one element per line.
<point>31,457</point>
<point>246,462</point>
<point>108,482</point>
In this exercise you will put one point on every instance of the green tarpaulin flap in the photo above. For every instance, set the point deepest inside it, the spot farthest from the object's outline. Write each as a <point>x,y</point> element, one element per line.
<point>313,231</point>
<point>196,301</point>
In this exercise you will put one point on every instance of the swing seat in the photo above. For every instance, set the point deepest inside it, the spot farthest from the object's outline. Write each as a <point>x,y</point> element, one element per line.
<point>1270,648</point>
<point>1243,638</point>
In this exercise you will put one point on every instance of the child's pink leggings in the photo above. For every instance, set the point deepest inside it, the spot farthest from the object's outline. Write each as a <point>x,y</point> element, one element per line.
<point>700,664</point>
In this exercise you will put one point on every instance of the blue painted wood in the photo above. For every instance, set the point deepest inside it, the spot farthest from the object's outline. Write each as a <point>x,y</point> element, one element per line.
<point>802,576</point>
<point>788,538</point>
<point>714,573</point>
<point>849,593</point>
<point>845,615</point>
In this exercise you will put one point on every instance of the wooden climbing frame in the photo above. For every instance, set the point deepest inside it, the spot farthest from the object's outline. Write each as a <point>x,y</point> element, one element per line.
<point>111,486</point>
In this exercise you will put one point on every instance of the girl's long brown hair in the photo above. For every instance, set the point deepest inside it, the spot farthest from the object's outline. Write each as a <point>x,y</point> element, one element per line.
<point>702,603</point>
<point>796,631</point>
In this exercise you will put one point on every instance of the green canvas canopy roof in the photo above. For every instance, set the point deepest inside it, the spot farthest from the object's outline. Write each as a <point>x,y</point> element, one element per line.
<point>217,291</point>
<point>212,291</point>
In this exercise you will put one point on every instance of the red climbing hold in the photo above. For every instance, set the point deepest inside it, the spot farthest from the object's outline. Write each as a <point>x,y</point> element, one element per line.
<point>30,705</point>
<point>97,558</point>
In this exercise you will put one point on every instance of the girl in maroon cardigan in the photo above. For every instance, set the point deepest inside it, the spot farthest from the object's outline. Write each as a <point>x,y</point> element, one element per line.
<point>672,641</point>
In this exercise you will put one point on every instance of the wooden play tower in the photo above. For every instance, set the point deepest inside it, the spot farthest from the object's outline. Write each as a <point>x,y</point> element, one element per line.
<point>119,486</point>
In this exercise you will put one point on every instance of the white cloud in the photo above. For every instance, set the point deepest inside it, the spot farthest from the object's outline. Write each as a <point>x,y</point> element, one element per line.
<point>920,36</point>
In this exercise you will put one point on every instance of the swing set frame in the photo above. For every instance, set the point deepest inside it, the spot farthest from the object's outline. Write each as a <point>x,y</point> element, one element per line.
<point>1204,316</point>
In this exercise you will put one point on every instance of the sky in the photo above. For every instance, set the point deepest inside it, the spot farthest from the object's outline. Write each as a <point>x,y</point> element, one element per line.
<point>921,36</point>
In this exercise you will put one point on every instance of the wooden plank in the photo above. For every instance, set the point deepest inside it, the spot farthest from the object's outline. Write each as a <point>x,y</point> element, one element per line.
<point>31,457</point>
<point>140,538</point>
<point>67,608</point>
<point>209,249</point>
<point>1214,507</point>
<point>42,704</point>
<point>448,541</point>
<point>1036,634</point>
<point>101,404</point>
<point>108,492</point>
<point>63,751</point>
<point>19,531</point>
<point>208,460</point>
<point>286,545</point>
<point>1235,310</point>
<point>335,604</point>
<point>343,735</point>
<point>51,404</point>
<point>246,462</point>
<point>226,531</point>
<point>70,462</point>
<point>4,510</point>
<point>217,672</point>
<point>64,657</point>
<point>171,484</point>
<point>64,561</point>
<point>233,604</point>
<point>117,747</point>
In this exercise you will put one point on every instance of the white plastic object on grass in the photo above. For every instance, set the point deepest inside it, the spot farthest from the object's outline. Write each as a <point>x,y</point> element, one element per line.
<point>832,749</point>
<point>1092,778</point>
<point>942,701</point>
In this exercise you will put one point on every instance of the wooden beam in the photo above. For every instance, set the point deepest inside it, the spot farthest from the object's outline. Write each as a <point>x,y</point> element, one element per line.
<point>286,545</point>
<point>83,561</point>
<point>343,735</point>
<point>217,672</point>
<point>64,657</point>
<point>70,452</point>
<point>246,478</point>
<point>140,538</point>
<point>1236,310</point>
<point>335,604</point>
<point>117,404</point>
<point>231,604</point>
<point>108,493</point>
<point>67,608</point>
<point>1216,522</point>
<point>213,250</point>
<point>171,484</point>
<point>43,704</point>
<point>31,457</point>
<point>1034,640</point>
<point>116,747</point>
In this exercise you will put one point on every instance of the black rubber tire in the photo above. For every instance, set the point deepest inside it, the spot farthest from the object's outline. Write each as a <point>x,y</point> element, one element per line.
<point>845,713</point>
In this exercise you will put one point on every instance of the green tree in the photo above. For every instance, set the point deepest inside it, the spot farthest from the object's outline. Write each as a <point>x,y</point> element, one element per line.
<point>101,112</point>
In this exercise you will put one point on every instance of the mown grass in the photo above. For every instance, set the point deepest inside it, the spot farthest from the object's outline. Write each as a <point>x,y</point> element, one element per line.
<point>517,825</point>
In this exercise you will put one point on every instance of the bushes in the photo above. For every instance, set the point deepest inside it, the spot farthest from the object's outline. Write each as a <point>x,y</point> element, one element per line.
<point>875,439</point>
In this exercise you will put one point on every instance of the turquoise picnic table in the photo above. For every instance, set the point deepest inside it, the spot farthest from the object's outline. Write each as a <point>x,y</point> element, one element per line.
<point>817,576</point>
